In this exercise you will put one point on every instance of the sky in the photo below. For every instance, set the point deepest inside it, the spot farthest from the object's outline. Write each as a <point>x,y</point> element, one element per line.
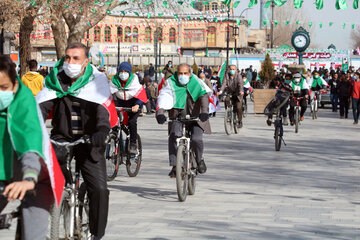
<point>323,36</point>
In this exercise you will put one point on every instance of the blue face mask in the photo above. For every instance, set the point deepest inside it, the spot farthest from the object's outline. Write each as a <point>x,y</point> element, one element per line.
<point>6,97</point>
<point>232,72</point>
<point>184,79</point>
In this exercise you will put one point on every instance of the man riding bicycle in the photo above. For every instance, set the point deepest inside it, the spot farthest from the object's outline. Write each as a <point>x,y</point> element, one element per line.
<point>24,162</point>
<point>129,93</point>
<point>234,85</point>
<point>81,103</point>
<point>301,89</point>
<point>185,94</point>
<point>318,84</point>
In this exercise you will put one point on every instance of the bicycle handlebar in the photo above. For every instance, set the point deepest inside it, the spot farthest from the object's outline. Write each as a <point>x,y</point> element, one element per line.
<point>84,139</point>
<point>187,118</point>
<point>125,109</point>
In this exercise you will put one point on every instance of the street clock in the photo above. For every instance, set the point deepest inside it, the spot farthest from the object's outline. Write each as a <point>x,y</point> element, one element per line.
<point>300,39</point>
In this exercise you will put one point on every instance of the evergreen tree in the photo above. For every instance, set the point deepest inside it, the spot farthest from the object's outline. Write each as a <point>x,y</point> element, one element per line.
<point>267,71</point>
<point>195,68</point>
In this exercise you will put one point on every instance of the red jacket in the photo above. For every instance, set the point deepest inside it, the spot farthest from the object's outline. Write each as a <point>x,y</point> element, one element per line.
<point>355,86</point>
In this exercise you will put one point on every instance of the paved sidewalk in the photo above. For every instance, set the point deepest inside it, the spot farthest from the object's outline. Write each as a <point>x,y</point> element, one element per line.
<point>308,190</point>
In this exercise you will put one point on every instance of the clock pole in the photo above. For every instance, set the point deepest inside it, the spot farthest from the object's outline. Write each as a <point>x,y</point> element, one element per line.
<point>301,58</point>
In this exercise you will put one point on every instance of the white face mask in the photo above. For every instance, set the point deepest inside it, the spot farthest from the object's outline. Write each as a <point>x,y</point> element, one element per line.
<point>73,70</point>
<point>297,80</point>
<point>124,76</point>
<point>184,79</point>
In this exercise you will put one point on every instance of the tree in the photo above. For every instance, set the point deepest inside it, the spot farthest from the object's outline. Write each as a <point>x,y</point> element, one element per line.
<point>287,18</point>
<point>195,68</point>
<point>355,37</point>
<point>79,16</point>
<point>266,73</point>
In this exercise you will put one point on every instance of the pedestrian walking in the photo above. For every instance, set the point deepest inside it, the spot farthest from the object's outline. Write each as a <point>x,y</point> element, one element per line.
<point>33,79</point>
<point>344,89</point>
<point>334,96</point>
<point>356,97</point>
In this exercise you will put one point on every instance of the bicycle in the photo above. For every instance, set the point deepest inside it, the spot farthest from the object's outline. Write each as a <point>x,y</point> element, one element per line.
<point>230,118</point>
<point>71,219</point>
<point>315,105</point>
<point>278,123</point>
<point>117,149</point>
<point>297,112</point>
<point>7,218</point>
<point>186,166</point>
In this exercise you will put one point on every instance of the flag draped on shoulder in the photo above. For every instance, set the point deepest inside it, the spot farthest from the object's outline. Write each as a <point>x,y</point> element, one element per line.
<point>27,133</point>
<point>222,71</point>
<point>130,89</point>
<point>173,94</point>
<point>93,86</point>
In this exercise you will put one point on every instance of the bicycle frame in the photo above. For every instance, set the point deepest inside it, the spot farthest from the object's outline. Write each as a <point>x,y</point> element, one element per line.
<point>186,141</point>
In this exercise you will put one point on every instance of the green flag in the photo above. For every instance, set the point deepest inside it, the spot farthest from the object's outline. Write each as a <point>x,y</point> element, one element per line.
<point>276,22</point>
<point>236,4</point>
<point>353,26</point>
<point>265,22</point>
<point>226,2</point>
<point>267,4</point>
<point>165,4</point>
<point>319,4</point>
<point>147,2</point>
<point>222,71</point>
<point>252,3</point>
<point>320,25</point>
<point>279,3</point>
<point>330,24</point>
<point>310,24</point>
<point>344,25</point>
<point>341,4</point>
<point>238,21</point>
<point>249,22</point>
<point>298,3</point>
<point>287,22</point>
<point>356,4</point>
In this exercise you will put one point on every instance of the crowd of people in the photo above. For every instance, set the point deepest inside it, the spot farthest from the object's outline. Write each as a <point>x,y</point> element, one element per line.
<point>81,101</point>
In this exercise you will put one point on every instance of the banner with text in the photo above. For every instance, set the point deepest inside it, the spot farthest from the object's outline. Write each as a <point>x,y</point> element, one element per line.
<point>312,55</point>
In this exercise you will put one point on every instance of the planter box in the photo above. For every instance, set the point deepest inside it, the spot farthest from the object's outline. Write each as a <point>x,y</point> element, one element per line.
<point>262,97</point>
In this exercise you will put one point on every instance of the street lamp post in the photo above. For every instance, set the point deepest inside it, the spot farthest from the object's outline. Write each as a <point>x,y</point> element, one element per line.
<point>118,56</point>
<point>272,24</point>
<point>227,36</point>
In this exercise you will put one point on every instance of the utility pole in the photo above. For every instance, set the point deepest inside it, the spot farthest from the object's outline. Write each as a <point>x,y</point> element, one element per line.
<point>228,36</point>
<point>272,24</point>
<point>118,56</point>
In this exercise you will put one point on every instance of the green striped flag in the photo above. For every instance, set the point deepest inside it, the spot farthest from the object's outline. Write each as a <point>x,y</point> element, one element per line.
<point>222,71</point>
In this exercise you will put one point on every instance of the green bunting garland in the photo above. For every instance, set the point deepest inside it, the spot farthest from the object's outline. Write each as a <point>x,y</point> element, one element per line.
<point>147,3</point>
<point>252,3</point>
<point>319,4</point>
<point>341,4</point>
<point>344,25</point>
<point>236,4</point>
<point>165,4</point>
<point>353,26</point>
<point>310,24</point>
<point>249,22</point>
<point>226,2</point>
<point>298,3</point>
<point>287,22</point>
<point>279,3</point>
<point>330,24</point>
<point>356,4</point>
<point>276,22</point>
<point>267,4</point>
<point>321,25</point>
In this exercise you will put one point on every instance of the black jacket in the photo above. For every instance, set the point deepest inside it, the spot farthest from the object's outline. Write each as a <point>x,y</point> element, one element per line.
<point>334,84</point>
<point>94,116</point>
<point>344,88</point>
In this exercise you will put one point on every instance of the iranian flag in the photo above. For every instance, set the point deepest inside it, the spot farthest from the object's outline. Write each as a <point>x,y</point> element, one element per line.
<point>222,71</point>
<point>93,86</point>
<point>27,133</point>
<point>129,89</point>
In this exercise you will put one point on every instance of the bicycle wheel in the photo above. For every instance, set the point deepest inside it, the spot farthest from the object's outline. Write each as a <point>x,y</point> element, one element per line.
<point>235,122</point>
<point>297,118</point>
<point>82,221</point>
<point>192,176</point>
<point>60,219</point>
<point>313,108</point>
<point>228,121</point>
<point>133,162</point>
<point>316,109</point>
<point>244,108</point>
<point>277,138</point>
<point>181,173</point>
<point>111,157</point>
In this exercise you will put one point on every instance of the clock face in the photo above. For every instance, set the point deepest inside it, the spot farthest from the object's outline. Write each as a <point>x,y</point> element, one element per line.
<point>300,41</point>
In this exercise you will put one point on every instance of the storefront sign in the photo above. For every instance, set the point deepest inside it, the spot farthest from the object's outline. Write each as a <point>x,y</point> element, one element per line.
<point>313,55</point>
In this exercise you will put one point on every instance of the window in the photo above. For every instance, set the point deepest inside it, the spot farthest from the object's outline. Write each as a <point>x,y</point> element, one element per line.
<point>207,7</point>
<point>172,33</point>
<point>87,35</point>
<point>148,34</point>
<point>214,7</point>
<point>211,35</point>
<point>159,33</point>
<point>46,33</point>
<point>194,35</point>
<point>97,34</point>
<point>120,33</point>
<point>135,35</point>
<point>127,34</point>
<point>107,34</point>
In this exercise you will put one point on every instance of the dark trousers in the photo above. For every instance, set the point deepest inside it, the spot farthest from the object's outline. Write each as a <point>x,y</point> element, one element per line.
<point>344,106</point>
<point>133,126</point>
<point>334,97</point>
<point>237,105</point>
<point>197,143</point>
<point>93,172</point>
<point>303,105</point>
<point>356,108</point>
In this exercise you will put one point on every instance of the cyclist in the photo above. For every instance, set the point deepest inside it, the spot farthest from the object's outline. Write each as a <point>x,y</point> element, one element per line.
<point>22,153</point>
<point>301,89</point>
<point>280,84</point>
<point>317,83</point>
<point>234,85</point>
<point>185,94</point>
<point>80,99</point>
<point>128,92</point>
